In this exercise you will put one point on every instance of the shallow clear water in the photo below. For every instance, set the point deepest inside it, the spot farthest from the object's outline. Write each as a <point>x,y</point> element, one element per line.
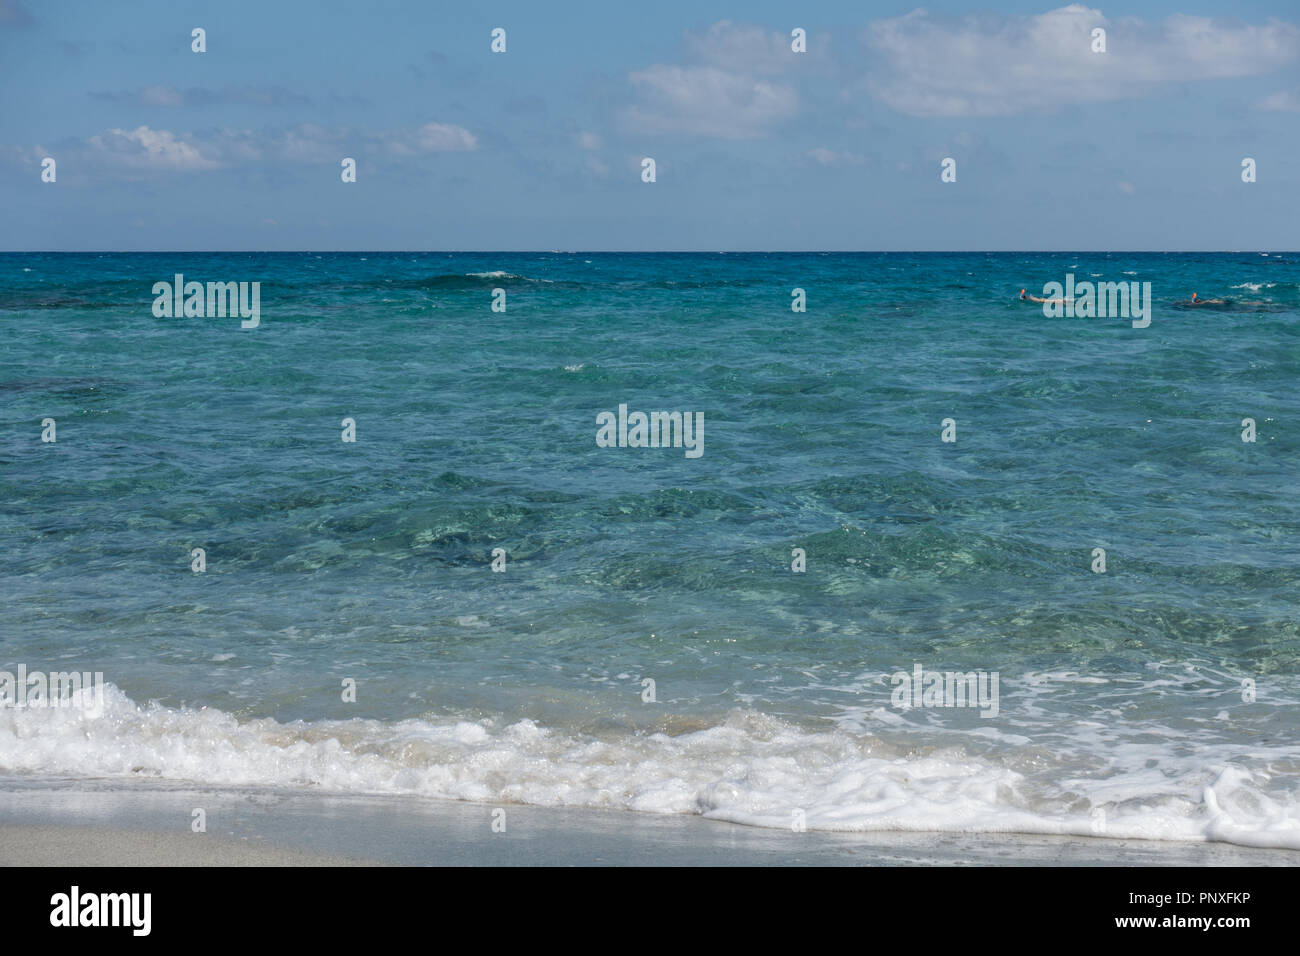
<point>1121,707</point>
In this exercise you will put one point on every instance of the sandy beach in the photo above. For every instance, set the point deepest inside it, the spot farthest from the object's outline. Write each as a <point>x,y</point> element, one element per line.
<point>73,825</point>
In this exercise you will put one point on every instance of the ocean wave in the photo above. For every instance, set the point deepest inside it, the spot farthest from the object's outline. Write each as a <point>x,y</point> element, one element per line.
<point>749,769</point>
<point>474,280</point>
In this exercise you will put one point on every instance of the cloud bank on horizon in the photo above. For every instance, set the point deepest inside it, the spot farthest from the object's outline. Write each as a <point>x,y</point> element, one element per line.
<point>832,141</point>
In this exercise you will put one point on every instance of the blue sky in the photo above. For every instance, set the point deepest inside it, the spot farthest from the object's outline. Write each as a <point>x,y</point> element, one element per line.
<point>756,147</point>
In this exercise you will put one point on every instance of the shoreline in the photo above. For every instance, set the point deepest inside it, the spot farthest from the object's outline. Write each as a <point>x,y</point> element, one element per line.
<point>75,823</point>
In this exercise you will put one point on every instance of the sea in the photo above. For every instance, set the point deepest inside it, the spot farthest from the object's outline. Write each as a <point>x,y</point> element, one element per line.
<point>935,560</point>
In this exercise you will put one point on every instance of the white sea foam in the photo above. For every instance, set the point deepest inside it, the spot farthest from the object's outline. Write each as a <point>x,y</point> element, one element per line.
<point>498,274</point>
<point>750,769</point>
<point>494,274</point>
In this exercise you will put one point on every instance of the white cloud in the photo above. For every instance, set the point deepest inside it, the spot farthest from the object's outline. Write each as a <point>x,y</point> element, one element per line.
<point>727,87</point>
<point>311,143</point>
<point>740,48</point>
<point>145,148</point>
<point>429,138</point>
<point>990,65</point>
<point>444,138</point>
<point>1283,102</point>
<point>306,142</point>
<point>706,101</point>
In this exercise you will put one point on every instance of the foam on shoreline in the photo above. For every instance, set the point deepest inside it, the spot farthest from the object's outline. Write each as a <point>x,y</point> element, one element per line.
<point>750,769</point>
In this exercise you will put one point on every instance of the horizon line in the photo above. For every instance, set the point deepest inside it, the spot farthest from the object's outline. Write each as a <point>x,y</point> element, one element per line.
<point>626,252</point>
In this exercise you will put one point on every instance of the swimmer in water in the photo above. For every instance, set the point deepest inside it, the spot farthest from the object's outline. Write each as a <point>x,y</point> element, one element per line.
<point>1230,303</point>
<point>1036,298</point>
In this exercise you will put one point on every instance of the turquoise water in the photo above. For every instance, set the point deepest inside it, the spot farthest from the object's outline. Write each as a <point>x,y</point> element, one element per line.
<point>476,430</point>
